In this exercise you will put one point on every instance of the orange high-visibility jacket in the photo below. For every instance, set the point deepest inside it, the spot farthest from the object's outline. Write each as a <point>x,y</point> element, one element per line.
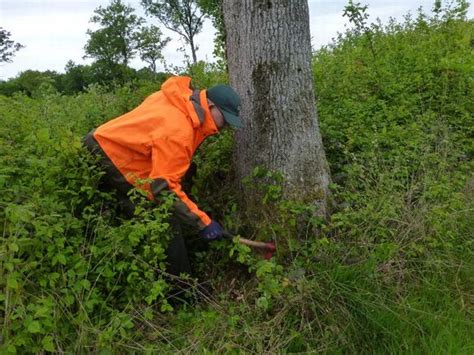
<point>157,141</point>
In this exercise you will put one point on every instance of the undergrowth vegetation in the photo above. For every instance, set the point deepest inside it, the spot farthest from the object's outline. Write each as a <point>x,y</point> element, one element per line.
<point>391,271</point>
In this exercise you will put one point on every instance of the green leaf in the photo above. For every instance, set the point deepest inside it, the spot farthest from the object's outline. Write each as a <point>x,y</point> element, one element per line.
<point>12,282</point>
<point>14,247</point>
<point>148,314</point>
<point>42,311</point>
<point>48,344</point>
<point>59,258</point>
<point>68,300</point>
<point>34,327</point>
<point>262,302</point>
<point>86,284</point>
<point>42,135</point>
<point>166,307</point>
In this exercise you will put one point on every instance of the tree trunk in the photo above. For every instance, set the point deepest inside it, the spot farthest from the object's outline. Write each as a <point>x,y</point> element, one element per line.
<point>269,59</point>
<point>193,49</point>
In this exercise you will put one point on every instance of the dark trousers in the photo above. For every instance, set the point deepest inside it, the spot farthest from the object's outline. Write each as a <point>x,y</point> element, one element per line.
<point>176,252</point>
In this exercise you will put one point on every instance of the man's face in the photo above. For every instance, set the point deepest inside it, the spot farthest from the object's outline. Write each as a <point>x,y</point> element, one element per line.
<point>217,115</point>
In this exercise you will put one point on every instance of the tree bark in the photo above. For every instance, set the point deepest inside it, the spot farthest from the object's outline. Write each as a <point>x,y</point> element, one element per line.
<point>193,49</point>
<point>269,59</point>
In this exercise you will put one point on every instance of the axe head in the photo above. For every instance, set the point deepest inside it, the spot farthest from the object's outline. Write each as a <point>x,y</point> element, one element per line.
<point>270,250</point>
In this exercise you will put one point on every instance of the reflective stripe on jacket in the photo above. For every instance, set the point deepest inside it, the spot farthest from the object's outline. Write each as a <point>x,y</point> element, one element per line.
<point>157,140</point>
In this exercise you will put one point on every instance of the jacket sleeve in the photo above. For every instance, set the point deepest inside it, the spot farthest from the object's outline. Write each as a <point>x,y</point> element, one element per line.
<point>170,161</point>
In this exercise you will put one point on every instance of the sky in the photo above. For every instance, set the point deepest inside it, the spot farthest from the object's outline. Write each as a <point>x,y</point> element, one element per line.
<point>54,31</point>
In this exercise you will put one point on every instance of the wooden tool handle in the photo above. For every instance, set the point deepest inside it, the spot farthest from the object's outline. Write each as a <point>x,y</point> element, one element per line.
<point>252,243</point>
<point>255,244</point>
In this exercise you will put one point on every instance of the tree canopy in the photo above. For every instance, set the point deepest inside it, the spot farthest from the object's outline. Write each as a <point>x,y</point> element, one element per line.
<point>8,47</point>
<point>181,16</point>
<point>117,40</point>
<point>151,44</point>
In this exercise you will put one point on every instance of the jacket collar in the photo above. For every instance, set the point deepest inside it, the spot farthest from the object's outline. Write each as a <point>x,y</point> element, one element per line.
<point>196,101</point>
<point>208,126</point>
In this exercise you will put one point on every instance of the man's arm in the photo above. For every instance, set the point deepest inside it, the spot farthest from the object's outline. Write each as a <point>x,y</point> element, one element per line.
<point>171,159</point>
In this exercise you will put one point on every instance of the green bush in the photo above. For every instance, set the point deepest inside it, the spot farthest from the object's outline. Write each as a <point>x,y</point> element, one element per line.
<point>396,114</point>
<point>70,269</point>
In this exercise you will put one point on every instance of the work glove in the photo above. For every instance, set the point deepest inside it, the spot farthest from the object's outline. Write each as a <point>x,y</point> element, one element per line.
<point>212,232</point>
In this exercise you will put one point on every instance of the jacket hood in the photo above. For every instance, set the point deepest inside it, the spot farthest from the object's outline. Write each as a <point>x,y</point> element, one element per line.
<point>177,90</point>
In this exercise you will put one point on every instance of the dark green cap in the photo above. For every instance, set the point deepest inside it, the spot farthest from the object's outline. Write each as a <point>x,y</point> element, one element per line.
<point>227,100</point>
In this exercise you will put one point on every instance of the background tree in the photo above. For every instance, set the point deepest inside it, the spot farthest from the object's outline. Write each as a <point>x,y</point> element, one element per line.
<point>76,78</point>
<point>269,58</point>
<point>180,16</point>
<point>151,44</point>
<point>34,82</point>
<point>7,46</point>
<point>116,41</point>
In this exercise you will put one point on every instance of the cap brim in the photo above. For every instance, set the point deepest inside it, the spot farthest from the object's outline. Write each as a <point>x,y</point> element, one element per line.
<point>232,119</point>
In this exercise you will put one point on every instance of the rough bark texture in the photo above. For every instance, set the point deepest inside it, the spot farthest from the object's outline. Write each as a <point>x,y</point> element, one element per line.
<point>269,58</point>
